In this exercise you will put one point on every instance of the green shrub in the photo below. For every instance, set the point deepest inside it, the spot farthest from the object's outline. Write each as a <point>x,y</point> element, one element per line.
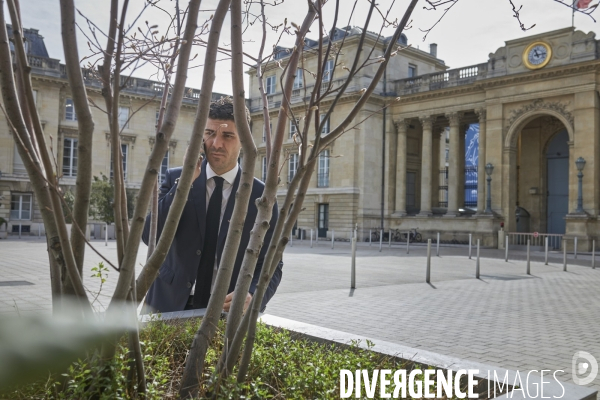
<point>281,367</point>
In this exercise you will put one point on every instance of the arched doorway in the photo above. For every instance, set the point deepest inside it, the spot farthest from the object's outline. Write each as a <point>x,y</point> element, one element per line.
<point>536,154</point>
<point>557,178</point>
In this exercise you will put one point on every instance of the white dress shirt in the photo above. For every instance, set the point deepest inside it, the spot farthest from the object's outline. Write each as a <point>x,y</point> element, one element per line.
<point>229,178</point>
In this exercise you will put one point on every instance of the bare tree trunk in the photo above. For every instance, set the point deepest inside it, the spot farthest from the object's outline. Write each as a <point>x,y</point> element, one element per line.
<point>150,270</point>
<point>266,202</point>
<point>26,150</point>
<point>85,123</point>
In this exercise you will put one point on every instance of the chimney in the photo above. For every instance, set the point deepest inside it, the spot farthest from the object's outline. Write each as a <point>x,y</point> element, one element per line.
<point>433,49</point>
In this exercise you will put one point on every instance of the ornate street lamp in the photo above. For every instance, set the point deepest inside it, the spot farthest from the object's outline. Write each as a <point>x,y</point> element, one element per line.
<point>580,163</point>
<point>489,168</point>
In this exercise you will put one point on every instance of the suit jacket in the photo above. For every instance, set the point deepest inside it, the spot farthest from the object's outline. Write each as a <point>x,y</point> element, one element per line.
<point>171,289</point>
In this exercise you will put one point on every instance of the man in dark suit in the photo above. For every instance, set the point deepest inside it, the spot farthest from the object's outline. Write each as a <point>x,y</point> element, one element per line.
<point>186,277</point>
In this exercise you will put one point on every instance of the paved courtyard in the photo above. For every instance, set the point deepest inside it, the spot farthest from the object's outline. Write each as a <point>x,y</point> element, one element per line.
<point>506,318</point>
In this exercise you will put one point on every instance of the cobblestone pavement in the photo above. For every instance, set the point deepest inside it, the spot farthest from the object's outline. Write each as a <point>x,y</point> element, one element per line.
<point>506,318</point>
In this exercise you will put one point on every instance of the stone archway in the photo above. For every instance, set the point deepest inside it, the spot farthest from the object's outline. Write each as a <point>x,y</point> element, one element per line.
<point>525,167</point>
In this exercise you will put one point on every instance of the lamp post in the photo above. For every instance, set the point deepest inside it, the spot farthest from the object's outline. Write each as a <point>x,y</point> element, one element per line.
<point>580,163</point>
<point>489,168</point>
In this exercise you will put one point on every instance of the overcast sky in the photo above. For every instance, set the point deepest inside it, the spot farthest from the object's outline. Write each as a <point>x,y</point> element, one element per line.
<point>466,35</point>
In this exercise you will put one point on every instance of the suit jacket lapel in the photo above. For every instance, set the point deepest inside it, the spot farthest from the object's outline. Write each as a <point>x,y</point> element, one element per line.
<point>198,192</point>
<point>227,215</point>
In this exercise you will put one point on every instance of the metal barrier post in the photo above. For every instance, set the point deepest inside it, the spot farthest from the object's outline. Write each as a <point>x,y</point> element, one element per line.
<point>370,238</point>
<point>575,247</point>
<point>546,250</point>
<point>437,250</point>
<point>470,240</point>
<point>292,240</point>
<point>407,242</point>
<point>353,270</point>
<point>39,230</point>
<point>428,273</point>
<point>506,249</point>
<point>477,263</point>
<point>390,239</point>
<point>528,257</point>
<point>564,243</point>
<point>311,235</point>
<point>594,254</point>
<point>20,226</point>
<point>332,238</point>
<point>380,239</point>
<point>105,234</point>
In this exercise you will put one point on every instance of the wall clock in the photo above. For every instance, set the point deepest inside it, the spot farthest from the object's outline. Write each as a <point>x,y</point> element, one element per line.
<point>537,55</point>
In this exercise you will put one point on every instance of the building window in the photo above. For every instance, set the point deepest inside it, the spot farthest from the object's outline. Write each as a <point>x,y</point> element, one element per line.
<point>328,73</point>
<point>271,84</point>
<point>20,206</point>
<point>69,167</point>
<point>412,70</point>
<point>325,130</point>
<point>323,220</point>
<point>156,120</point>
<point>293,127</point>
<point>123,117</point>
<point>323,173</point>
<point>299,79</point>
<point>70,110</point>
<point>264,169</point>
<point>292,166</point>
<point>164,166</point>
<point>264,137</point>
<point>124,151</point>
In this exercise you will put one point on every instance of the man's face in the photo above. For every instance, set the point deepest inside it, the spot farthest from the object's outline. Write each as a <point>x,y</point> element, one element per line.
<point>222,145</point>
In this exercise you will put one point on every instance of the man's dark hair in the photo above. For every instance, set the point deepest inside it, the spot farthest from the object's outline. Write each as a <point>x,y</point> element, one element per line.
<point>223,109</point>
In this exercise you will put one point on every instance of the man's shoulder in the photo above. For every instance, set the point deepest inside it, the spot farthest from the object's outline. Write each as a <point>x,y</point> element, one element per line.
<point>175,172</point>
<point>258,184</point>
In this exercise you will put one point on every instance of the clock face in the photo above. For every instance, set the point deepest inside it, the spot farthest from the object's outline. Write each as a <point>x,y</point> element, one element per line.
<point>538,54</point>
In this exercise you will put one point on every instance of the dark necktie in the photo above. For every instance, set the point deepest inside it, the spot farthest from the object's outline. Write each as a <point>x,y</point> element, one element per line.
<point>209,250</point>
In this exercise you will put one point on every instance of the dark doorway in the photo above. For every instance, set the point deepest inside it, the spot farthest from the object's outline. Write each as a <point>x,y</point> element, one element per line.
<point>557,157</point>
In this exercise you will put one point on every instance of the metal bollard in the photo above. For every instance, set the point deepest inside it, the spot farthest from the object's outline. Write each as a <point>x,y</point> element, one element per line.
<point>575,248</point>
<point>380,239</point>
<point>311,235</point>
<point>594,254</point>
<point>292,240</point>
<point>546,249</point>
<point>506,248</point>
<point>470,239</point>
<point>428,273</point>
<point>390,239</point>
<point>20,226</point>
<point>332,238</point>
<point>105,234</point>
<point>353,270</point>
<point>528,257</point>
<point>477,263</point>
<point>39,230</point>
<point>437,244</point>
<point>564,255</point>
<point>370,238</point>
<point>407,242</point>
<point>317,237</point>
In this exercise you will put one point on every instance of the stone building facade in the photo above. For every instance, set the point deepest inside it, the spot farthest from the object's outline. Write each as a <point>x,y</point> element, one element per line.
<point>139,105</point>
<point>535,107</point>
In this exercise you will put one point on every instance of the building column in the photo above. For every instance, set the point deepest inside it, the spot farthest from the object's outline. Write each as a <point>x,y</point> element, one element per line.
<point>442,177</point>
<point>426,164</point>
<point>481,194</point>
<point>454,164</point>
<point>401,130</point>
